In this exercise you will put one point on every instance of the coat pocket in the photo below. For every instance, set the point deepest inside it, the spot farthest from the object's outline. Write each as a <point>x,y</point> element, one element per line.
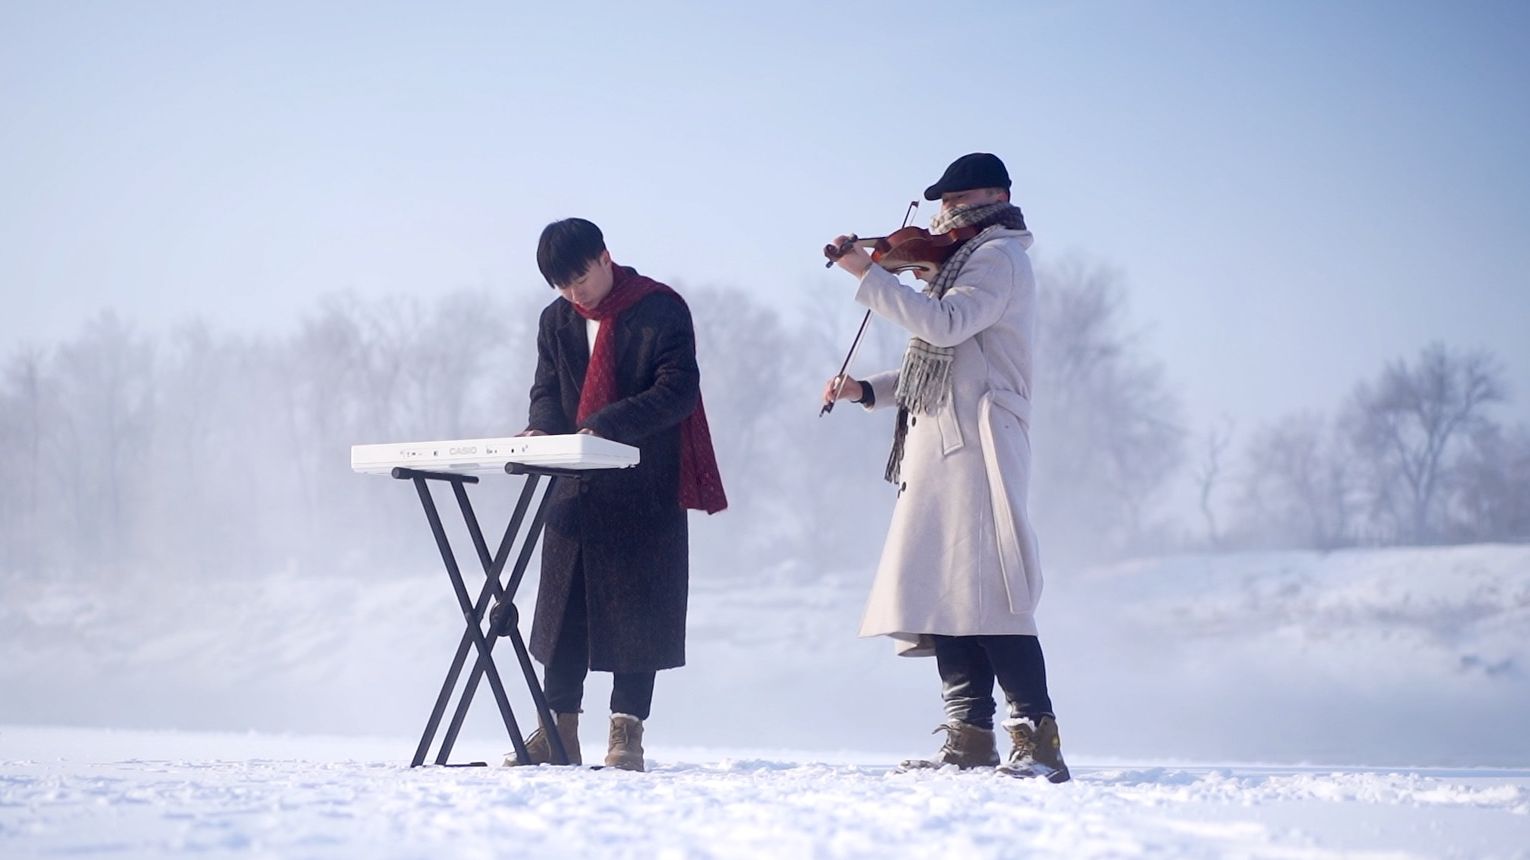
<point>950,428</point>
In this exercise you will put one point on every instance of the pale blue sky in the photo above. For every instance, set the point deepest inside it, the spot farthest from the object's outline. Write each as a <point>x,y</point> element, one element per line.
<point>1295,192</point>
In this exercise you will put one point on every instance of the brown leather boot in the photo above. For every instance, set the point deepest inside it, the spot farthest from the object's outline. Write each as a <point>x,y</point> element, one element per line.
<point>539,748</point>
<point>625,750</point>
<point>967,746</point>
<point>1038,749</point>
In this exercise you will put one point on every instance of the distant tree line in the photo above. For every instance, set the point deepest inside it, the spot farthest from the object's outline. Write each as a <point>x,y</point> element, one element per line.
<point>205,452</point>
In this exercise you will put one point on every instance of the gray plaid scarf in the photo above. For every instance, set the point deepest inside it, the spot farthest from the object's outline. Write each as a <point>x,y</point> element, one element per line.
<point>924,383</point>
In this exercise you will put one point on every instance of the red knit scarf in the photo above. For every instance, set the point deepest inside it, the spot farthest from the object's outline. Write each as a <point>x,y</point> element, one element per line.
<point>700,481</point>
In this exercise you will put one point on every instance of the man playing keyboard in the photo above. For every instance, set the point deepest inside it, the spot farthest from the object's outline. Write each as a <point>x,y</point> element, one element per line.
<point>616,357</point>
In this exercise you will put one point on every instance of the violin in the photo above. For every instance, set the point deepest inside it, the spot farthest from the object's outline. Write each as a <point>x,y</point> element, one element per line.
<point>897,252</point>
<point>906,249</point>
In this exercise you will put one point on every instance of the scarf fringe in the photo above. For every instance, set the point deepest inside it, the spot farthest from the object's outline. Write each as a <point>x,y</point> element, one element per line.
<point>924,383</point>
<point>894,471</point>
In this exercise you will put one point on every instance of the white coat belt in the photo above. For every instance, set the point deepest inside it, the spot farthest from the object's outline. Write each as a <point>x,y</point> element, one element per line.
<point>1012,544</point>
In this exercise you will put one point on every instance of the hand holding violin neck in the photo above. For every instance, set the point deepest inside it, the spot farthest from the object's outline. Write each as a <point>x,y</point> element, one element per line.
<point>844,245</point>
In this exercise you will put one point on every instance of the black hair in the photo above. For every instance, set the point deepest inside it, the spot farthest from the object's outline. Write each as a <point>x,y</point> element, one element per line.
<point>567,248</point>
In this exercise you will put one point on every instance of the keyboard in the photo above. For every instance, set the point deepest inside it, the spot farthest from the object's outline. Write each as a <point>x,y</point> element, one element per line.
<point>479,456</point>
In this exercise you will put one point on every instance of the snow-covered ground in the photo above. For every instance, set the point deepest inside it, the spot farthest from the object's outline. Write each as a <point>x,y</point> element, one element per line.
<point>73,792</point>
<point>1406,658</point>
<point>1272,704</point>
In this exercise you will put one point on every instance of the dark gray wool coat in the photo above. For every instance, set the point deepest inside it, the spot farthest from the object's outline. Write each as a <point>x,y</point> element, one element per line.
<point>625,526</point>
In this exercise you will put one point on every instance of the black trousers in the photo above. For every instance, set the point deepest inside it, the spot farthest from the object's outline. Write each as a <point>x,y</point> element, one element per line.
<point>563,679</point>
<point>969,665</point>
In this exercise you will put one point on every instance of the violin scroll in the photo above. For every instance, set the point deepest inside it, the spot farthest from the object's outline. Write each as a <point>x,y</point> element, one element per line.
<point>834,252</point>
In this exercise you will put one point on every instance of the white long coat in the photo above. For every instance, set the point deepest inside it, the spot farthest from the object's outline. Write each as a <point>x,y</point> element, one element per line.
<point>960,557</point>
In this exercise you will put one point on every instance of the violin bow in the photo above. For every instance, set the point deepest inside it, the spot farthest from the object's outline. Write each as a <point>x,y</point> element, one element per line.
<point>856,344</point>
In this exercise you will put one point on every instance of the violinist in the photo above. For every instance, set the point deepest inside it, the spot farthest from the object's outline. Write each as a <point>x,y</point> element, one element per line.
<point>959,577</point>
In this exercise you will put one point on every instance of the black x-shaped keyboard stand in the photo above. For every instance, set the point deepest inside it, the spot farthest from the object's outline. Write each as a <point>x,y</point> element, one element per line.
<point>505,624</point>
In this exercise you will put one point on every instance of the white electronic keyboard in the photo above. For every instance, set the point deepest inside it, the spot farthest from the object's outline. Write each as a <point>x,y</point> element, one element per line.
<point>474,456</point>
<point>455,462</point>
